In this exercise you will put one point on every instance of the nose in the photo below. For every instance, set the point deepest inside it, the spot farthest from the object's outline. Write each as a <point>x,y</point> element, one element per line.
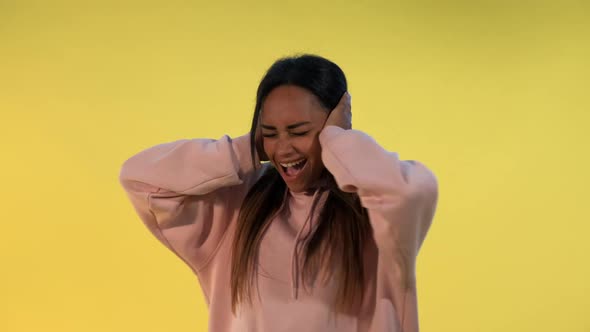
<point>284,147</point>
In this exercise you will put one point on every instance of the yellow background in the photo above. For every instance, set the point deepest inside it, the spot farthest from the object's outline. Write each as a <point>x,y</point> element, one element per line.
<point>491,95</point>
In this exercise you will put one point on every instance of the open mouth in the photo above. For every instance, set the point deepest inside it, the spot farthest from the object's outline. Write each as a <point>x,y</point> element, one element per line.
<point>291,170</point>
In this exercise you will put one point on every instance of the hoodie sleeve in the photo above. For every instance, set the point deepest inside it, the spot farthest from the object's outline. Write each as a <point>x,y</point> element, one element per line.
<point>401,198</point>
<point>186,192</point>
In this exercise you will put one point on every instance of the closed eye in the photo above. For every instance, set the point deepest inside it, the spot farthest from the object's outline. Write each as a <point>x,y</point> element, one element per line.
<point>294,134</point>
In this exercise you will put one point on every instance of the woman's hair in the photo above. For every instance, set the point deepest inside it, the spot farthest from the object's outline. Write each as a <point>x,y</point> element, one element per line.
<point>343,225</point>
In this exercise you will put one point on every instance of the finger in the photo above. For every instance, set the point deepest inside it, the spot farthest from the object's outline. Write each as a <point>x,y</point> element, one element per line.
<point>344,103</point>
<point>348,109</point>
<point>347,100</point>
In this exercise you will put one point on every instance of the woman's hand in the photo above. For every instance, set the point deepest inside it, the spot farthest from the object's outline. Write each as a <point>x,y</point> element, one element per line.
<point>341,115</point>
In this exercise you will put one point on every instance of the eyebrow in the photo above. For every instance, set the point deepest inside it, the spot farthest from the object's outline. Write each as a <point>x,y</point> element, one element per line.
<point>292,126</point>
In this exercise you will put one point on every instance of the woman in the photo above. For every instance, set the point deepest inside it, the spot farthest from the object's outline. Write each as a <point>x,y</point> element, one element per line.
<point>303,224</point>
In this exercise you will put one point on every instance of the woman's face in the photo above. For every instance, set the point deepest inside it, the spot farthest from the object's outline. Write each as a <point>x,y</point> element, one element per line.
<point>291,119</point>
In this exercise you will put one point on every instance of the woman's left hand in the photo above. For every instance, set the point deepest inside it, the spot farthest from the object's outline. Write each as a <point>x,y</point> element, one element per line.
<point>341,115</point>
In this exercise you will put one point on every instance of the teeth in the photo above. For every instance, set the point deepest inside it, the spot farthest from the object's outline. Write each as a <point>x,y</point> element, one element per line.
<point>292,164</point>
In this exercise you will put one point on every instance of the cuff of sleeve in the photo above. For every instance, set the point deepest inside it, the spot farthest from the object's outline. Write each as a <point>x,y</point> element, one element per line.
<point>329,133</point>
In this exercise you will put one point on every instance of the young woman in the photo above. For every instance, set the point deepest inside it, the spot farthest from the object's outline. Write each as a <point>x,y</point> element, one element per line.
<point>303,224</point>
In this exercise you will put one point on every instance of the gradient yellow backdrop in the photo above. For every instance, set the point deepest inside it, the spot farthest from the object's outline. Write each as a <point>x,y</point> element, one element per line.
<point>491,95</point>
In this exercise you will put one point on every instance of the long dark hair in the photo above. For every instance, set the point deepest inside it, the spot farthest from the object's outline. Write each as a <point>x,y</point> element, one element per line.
<point>343,224</point>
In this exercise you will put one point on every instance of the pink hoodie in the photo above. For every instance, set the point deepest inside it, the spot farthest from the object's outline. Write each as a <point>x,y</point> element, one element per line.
<point>188,193</point>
